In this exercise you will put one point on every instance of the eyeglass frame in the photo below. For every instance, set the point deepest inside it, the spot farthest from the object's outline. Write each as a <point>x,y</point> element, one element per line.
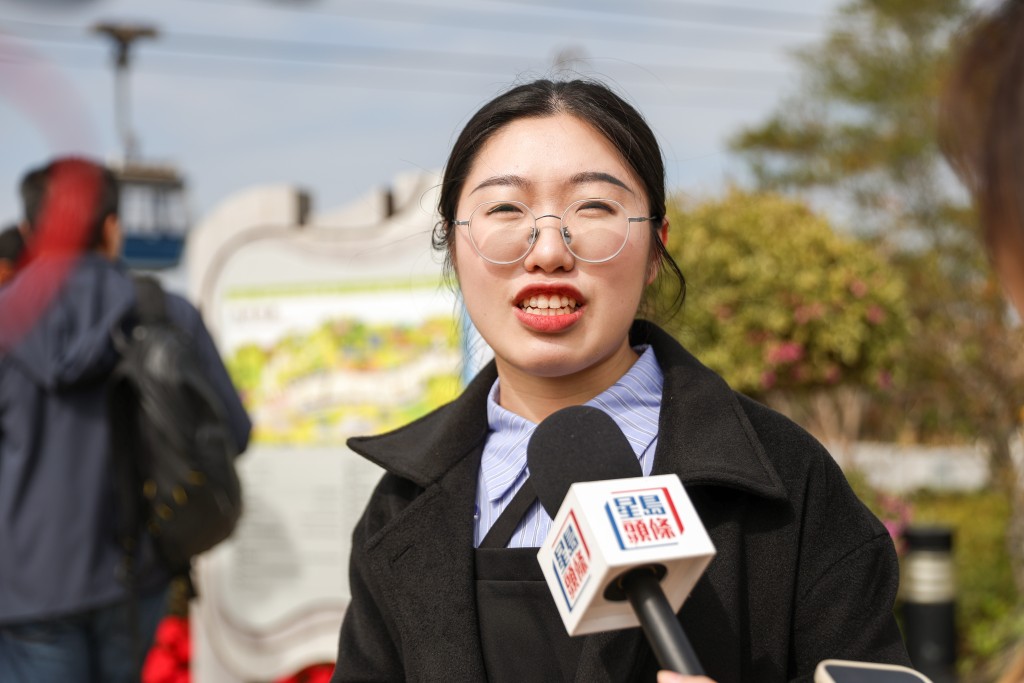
<point>562,229</point>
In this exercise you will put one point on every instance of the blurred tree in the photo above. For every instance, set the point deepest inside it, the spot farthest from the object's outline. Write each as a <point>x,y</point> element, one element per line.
<point>863,123</point>
<point>860,137</point>
<point>787,310</point>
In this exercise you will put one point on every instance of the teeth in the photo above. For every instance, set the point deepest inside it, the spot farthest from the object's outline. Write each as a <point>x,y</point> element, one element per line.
<point>543,304</point>
<point>549,311</point>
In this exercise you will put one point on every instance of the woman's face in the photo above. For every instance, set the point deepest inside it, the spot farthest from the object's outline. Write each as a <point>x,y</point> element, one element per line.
<point>548,163</point>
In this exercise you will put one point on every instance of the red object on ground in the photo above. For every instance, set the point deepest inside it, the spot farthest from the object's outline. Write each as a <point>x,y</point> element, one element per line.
<point>317,673</point>
<point>168,660</point>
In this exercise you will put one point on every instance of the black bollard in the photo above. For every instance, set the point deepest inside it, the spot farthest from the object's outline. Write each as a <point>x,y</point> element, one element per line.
<point>928,601</point>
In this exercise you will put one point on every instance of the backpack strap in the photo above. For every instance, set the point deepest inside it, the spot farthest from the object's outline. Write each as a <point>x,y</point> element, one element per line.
<point>150,300</point>
<point>150,308</point>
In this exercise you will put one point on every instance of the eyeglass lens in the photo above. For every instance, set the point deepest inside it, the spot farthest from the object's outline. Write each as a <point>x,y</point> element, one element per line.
<point>594,229</point>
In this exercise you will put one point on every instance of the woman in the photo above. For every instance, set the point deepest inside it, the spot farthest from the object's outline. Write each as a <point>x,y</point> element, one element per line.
<point>553,223</point>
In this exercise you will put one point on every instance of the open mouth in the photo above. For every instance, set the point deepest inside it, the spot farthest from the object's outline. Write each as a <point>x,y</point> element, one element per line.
<point>549,304</point>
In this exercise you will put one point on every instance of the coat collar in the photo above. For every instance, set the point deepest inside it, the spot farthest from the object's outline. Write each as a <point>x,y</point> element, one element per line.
<point>425,450</point>
<point>704,435</point>
<point>424,557</point>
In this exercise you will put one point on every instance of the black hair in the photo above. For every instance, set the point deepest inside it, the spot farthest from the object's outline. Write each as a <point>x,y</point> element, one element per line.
<point>37,194</point>
<point>591,102</point>
<point>12,244</point>
<point>33,189</point>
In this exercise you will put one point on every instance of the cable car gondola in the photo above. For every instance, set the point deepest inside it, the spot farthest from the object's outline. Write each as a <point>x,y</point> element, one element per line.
<point>154,214</point>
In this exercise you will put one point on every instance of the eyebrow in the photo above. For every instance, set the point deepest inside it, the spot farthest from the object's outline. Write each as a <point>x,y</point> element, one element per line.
<point>583,178</point>
<point>598,177</point>
<point>516,181</point>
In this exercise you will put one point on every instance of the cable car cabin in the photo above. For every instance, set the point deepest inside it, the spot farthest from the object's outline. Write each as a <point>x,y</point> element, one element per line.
<point>154,215</point>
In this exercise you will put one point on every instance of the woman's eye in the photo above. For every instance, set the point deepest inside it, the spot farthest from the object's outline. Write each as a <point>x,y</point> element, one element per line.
<point>505,209</point>
<point>594,207</point>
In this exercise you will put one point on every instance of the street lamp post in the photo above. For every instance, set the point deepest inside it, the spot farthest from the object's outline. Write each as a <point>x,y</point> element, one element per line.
<point>124,35</point>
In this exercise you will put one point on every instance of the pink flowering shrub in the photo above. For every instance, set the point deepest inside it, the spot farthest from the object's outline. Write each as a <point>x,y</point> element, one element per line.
<point>777,301</point>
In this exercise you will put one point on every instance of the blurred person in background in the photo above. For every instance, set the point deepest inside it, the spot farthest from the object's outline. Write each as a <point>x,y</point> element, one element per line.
<point>66,613</point>
<point>12,250</point>
<point>982,136</point>
<point>982,128</point>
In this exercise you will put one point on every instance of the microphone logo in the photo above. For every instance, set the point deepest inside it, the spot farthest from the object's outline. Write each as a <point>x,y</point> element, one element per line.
<point>571,561</point>
<point>644,518</point>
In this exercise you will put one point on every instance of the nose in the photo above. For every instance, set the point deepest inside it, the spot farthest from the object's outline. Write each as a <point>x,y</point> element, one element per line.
<point>549,252</point>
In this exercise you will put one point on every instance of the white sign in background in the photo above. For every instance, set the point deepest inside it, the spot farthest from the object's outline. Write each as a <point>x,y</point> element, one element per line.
<point>330,332</point>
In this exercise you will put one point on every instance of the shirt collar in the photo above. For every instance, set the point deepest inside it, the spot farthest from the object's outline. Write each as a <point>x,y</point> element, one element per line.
<point>633,402</point>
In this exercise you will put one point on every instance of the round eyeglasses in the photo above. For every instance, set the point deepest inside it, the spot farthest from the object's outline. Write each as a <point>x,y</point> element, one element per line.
<point>594,230</point>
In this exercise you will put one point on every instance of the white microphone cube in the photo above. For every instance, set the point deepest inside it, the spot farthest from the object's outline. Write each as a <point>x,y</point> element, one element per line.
<point>605,528</point>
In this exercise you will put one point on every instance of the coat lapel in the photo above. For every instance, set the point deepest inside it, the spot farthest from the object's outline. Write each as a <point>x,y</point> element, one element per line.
<point>424,555</point>
<point>427,556</point>
<point>703,434</point>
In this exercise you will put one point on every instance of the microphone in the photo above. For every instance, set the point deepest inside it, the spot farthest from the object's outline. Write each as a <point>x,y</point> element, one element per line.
<point>624,550</point>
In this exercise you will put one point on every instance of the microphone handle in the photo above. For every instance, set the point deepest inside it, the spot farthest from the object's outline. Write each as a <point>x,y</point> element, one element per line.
<point>661,626</point>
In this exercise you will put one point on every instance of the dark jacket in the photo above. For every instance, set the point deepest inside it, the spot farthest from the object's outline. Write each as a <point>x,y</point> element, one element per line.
<point>803,570</point>
<point>57,511</point>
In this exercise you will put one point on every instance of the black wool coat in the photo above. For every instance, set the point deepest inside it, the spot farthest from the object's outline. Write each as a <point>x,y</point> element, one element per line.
<point>803,570</point>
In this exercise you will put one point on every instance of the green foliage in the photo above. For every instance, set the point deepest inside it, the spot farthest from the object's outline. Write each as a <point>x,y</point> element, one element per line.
<point>989,607</point>
<point>966,369</point>
<point>777,300</point>
<point>864,125</point>
<point>862,134</point>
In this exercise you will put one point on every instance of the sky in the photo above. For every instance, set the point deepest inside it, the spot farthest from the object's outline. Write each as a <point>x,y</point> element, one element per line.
<point>340,96</point>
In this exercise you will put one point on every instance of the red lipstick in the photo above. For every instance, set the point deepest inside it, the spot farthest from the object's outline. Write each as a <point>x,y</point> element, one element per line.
<point>539,320</point>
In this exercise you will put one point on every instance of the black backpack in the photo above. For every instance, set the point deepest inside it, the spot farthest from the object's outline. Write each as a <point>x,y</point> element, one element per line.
<point>173,450</point>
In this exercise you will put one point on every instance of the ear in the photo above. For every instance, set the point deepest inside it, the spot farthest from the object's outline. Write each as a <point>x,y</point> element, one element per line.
<point>112,239</point>
<point>655,265</point>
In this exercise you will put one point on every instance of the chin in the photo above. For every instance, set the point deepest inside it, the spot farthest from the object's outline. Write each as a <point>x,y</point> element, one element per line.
<point>548,363</point>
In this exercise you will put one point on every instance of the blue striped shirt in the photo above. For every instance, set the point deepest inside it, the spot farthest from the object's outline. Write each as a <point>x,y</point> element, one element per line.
<point>634,402</point>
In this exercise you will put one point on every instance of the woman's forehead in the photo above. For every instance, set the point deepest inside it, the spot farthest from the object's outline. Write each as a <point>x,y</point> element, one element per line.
<point>544,153</point>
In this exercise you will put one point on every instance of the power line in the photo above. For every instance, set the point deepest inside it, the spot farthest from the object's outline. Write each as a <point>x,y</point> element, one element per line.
<point>681,11</point>
<point>639,29</point>
<point>309,53</point>
<point>658,12</point>
<point>392,80</point>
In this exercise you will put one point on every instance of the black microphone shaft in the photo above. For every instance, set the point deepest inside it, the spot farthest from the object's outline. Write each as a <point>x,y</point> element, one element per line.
<point>660,624</point>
